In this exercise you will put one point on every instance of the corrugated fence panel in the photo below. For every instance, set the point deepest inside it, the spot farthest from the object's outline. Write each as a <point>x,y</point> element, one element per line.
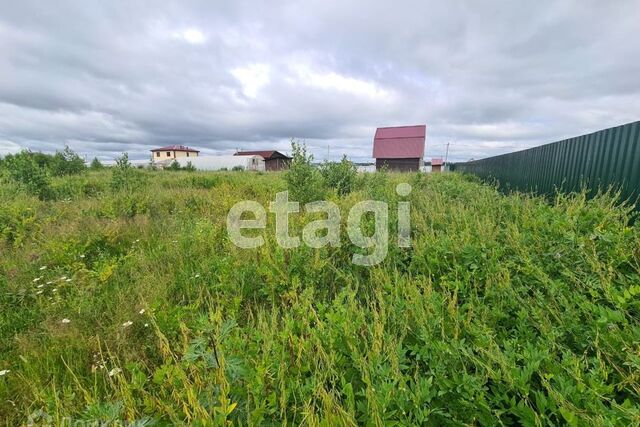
<point>603,159</point>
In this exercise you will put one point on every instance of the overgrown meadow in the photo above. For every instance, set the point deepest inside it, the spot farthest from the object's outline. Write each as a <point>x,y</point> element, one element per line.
<point>123,299</point>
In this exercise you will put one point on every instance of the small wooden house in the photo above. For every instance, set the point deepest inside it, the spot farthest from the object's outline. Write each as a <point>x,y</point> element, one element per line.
<point>400,148</point>
<point>273,160</point>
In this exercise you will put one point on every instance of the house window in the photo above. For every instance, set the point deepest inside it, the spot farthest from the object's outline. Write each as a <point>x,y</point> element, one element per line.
<point>157,154</point>
<point>168,153</point>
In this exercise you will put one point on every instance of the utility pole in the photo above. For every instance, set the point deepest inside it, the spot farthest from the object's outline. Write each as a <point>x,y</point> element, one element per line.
<point>446,157</point>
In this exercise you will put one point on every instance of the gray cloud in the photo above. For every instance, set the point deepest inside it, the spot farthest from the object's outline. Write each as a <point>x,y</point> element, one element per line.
<point>486,77</point>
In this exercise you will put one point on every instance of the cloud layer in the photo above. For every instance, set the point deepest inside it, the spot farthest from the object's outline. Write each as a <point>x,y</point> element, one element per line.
<point>487,77</point>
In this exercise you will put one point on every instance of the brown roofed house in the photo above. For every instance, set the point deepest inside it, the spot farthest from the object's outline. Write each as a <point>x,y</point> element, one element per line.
<point>171,152</point>
<point>273,160</point>
<point>399,148</point>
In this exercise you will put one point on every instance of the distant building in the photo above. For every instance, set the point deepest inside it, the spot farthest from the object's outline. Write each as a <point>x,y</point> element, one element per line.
<point>172,152</point>
<point>399,148</point>
<point>436,164</point>
<point>221,163</point>
<point>273,160</point>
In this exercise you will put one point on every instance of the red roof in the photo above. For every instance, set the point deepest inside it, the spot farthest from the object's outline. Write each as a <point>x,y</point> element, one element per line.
<point>401,142</point>
<point>437,161</point>
<point>266,154</point>
<point>176,148</point>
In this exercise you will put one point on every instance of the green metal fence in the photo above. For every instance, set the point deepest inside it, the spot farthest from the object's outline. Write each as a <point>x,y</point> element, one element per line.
<point>609,157</point>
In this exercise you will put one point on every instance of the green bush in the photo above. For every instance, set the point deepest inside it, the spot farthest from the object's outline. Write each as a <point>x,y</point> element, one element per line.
<point>123,175</point>
<point>174,166</point>
<point>96,164</point>
<point>341,176</point>
<point>304,181</point>
<point>237,168</point>
<point>67,162</point>
<point>23,170</point>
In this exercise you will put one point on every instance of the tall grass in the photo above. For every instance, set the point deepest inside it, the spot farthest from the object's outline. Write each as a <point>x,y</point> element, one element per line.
<point>507,310</point>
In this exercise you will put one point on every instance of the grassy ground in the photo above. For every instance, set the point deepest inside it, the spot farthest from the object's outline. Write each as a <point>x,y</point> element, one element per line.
<point>508,309</point>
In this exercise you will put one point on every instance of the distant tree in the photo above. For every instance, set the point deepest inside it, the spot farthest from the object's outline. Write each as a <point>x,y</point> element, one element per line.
<point>189,167</point>
<point>67,162</point>
<point>174,166</point>
<point>237,168</point>
<point>43,160</point>
<point>123,175</point>
<point>23,169</point>
<point>303,179</point>
<point>96,164</point>
<point>340,175</point>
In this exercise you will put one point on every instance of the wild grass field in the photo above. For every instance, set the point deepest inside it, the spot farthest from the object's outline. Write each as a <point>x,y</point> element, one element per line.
<point>129,302</point>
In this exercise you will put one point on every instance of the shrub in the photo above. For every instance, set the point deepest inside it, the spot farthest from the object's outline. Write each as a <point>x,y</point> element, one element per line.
<point>96,164</point>
<point>237,168</point>
<point>123,176</point>
<point>67,162</point>
<point>23,169</point>
<point>174,166</point>
<point>303,179</point>
<point>189,167</point>
<point>341,176</point>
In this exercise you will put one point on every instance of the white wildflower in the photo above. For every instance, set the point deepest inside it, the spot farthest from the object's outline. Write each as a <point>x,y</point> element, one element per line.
<point>39,286</point>
<point>49,282</point>
<point>68,280</point>
<point>63,278</point>
<point>196,276</point>
<point>114,371</point>
<point>37,279</point>
<point>82,256</point>
<point>65,320</point>
<point>141,311</point>
<point>146,325</point>
<point>54,289</point>
<point>44,267</point>
<point>39,292</point>
<point>127,324</point>
<point>4,372</point>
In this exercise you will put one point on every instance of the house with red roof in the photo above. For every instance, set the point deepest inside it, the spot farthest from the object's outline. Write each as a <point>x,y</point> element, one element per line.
<point>436,164</point>
<point>273,160</point>
<point>172,152</point>
<point>399,148</point>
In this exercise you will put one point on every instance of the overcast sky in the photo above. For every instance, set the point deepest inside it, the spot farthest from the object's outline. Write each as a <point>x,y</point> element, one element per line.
<point>487,76</point>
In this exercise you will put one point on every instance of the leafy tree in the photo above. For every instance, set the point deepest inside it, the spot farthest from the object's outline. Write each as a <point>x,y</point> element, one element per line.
<point>340,175</point>
<point>42,160</point>
<point>237,168</point>
<point>303,179</point>
<point>174,166</point>
<point>96,164</point>
<point>23,169</point>
<point>123,175</point>
<point>189,167</point>
<point>67,162</point>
